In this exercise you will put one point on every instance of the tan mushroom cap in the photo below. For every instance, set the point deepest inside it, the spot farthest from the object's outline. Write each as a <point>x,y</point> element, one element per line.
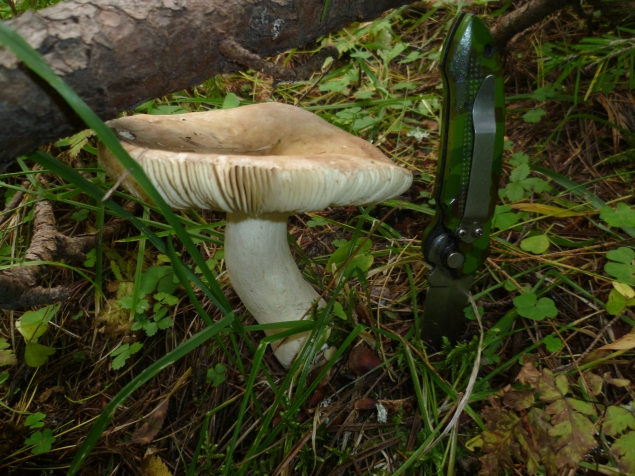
<point>255,159</point>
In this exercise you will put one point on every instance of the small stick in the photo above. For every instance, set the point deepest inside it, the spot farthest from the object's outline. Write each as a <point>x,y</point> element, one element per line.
<point>116,185</point>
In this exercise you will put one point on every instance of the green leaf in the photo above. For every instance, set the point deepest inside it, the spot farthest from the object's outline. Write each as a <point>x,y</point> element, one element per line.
<point>43,441</point>
<point>616,303</point>
<point>534,115</point>
<point>338,310</point>
<point>81,214</point>
<point>91,257</point>
<point>140,308</point>
<point>362,260</point>
<point>621,266</point>
<point>36,355</point>
<point>6,355</point>
<point>535,244</point>
<point>617,420</point>
<point>166,298</point>
<point>504,219</point>
<point>164,324</point>
<point>541,94</point>
<point>231,101</point>
<point>623,215</point>
<point>622,255</point>
<point>529,306</point>
<point>553,343</point>
<point>216,376</point>
<point>316,221</point>
<point>150,328</point>
<point>469,312</point>
<point>581,406</point>
<point>520,173</point>
<point>33,324</point>
<point>159,278</point>
<point>519,158</point>
<point>623,449</point>
<point>123,353</point>
<point>35,420</point>
<point>514,191</point>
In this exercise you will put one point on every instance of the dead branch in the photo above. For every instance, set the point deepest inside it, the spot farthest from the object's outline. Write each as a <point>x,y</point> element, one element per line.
<point>19,287</point>
<point>524,17</point>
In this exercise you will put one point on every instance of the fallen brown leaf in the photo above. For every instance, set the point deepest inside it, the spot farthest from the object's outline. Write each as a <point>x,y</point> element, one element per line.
<point>362,360</point>
<point>626,342</point>
<point>46,394</point>
<point>146,433</point>
<point>528,374</point>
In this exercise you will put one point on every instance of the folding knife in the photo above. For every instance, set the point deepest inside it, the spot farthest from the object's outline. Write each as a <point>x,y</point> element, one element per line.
<point>456,243</point>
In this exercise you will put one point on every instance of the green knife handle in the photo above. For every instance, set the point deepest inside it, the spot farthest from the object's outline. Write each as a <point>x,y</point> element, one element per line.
<point>470,65</point>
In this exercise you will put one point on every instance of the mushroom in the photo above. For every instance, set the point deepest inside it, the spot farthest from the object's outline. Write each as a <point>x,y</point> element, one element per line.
<point>259,164</point>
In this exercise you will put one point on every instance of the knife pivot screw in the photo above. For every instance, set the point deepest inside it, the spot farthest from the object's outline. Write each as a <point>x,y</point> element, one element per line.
<point>478,232</point>
<point>454,259</point>
<point>461,233</point>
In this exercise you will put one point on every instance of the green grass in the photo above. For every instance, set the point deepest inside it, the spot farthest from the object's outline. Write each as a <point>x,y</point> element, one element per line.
<point>262,418</point>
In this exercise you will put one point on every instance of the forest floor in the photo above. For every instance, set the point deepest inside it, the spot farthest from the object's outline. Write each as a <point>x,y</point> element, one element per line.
<point>545,386</point>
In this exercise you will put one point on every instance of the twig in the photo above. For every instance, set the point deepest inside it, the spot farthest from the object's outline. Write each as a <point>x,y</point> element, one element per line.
<point>230,48</point>
<point>526,16</point>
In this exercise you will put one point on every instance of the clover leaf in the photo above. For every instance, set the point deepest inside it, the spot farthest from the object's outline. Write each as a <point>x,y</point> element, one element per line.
<point>528,305</point>
<point>535,244</point>
<point>216,376</point>
<point>520,183</point>
<point>553,343</point>
<point>621,265</point>
<point>534,115</point>
<point>43,441</point>
<point>504,219</point>
<point>623,215</point>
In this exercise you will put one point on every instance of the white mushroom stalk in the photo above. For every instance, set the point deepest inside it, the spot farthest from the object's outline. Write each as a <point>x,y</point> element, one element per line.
<point>259,164</point>
<point>265,276</point>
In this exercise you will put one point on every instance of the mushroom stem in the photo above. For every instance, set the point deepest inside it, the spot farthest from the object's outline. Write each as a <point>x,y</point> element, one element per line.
<point>265,276</point>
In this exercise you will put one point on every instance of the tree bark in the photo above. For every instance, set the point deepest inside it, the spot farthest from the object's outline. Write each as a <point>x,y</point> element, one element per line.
<point>524,17</point>
<point>117,54</point>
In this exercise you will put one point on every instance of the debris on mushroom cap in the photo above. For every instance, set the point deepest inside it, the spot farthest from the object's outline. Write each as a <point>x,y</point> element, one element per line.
<point>257,159</point>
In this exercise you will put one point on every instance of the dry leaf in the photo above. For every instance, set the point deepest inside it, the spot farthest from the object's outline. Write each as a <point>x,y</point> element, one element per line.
<point>519,399</point>
<point>626,342</point>
<point>46,394</point>
<point>362,360</point>
<point>365,404</point>
<point>146,433</point>
<point>618,382</point>
<point>594,382</point>
<point>430,125</point>
<point>154,466</point>
<point>547,210</point>
<point>528,374</point>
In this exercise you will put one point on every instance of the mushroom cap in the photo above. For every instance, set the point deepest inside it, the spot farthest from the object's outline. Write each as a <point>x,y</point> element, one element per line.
<point>256,159</point>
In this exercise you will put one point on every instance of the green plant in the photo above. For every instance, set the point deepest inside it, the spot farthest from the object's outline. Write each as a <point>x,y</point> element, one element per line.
<point>520,183</point>
<point>7,357</point>
<point>548,428</point>
<point>122,353</point>
<point>42,441</point>
<point>216,375</point>
<point>34,420</point>
<point>33,325</point>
